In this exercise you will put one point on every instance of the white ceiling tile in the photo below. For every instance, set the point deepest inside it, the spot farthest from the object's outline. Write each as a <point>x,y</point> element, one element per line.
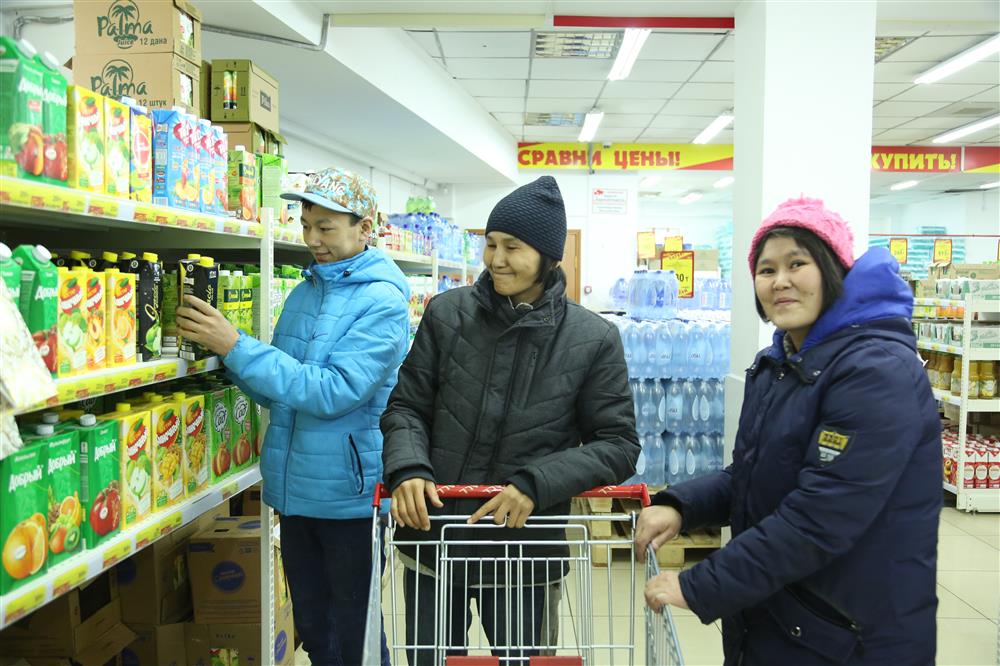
<point>935,48</point>
<point>913,109</point>
<point>988,95</point>
<point>727,51</point>
<point>939,92</point>
<point>488,68</point>
<point>509,117</point>
<point>631,105</point>
<point>668,135</point>
<point>696,123</point>
<point>663,70</point>
<point>678,46</point>
<point>715,72</point>
<point>557,88</point>
<point>426,40</point>
<point>984,72</point>
<point>559,104</point>
<point>440,62</point>
<point>688,107</point>
<point>634,90</point>
<point>992,140</point>
<point>900,72</point>
<point>714,91</point>
<point>494,87</point>
<point>880,123</point>
<point>562,133</point>
<point>904,136</point>
<point>486,44</point>
<point>555,68</point>
<point>504,104</point>
<point>929,124</point>
<point>884,91</point>
<point>626,120</point>
<point>613,134</point>
<point>517,131</point>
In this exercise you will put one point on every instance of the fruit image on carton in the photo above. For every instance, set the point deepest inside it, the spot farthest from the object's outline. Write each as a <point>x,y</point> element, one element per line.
<point>72,325</point>
<point>195,447</point>
<point>243,184</point>
<point>243,431</point>
<point>96,309</point>
<point>56,166</point>
<point>22,93</point>
<point>39,297</point>
<point>220,158</point>
<point>135,469</point>
<point>173,173</point>
<point>121,317</point>
<point>206,151</point>
<point>85,131</point>
<point>218,406</point>
<point>23,526</point>
<point>199,278</point>
<point>168,451</point>
<point>141,153</point>
<point>117,156</point>
<point>100,473</point>
<point>65,512</point>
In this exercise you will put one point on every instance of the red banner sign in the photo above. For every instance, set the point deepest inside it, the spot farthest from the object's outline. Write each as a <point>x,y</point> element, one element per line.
<point>916,159</point>
<point>981,159</point>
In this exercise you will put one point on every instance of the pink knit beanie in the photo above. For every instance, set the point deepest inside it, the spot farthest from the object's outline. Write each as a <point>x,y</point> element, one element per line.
<point>809,214</point>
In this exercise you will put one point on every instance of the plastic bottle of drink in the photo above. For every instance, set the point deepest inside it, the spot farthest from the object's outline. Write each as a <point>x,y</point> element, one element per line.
<point>659,397</point>
<point>706,448</point>
<point>678,360</point>
<point>658,296</point>
<point>692,457</point>
<point>704,407</point>
<point>640,466</point>
<point>674,458</point>
<point>649,366</point>
<point>718,420</point>
<point>671,287</point>
<point>696,351</point>
<point>633,348</point>
<point>718,451</point>
<point>674,407</point>
<point>644,420</point>
<point>725,295</point>
<point>664,350</point>
<point>619,294</point>
<point>689,420</point>
<point>635,285</point>
<point>655,460</point>
<point>634,386</point>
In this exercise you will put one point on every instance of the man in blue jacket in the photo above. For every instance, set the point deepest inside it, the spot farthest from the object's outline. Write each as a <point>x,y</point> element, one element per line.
<point>326,378</point>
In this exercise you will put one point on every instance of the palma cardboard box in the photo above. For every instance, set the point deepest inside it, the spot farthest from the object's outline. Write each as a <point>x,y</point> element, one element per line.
<point>240,643</point>
<point>153,80</point>
<point>125,27</point>
<point>244,93</point>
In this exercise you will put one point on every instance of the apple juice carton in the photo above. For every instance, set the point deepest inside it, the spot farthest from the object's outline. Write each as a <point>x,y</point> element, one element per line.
<point>243,183</point>
<point>65,513</point>
<point>206,150</point>
<point>120,318</point>
<point>148,273</point>
<point>117,157</point>
<point>22,95</point>
<point>38,300</point>
<point>246,303</point>
<point>95,307</point>
<point>85,132</point>
<point>230,291</point>
<point>195,448</point>
<point>171,293</point>
<point>217,406</point>
<point>244,428</point>
<point>23,523</point>
<point>168,451</point>
<point>72,323</point>
<point>135,467</point>
<point>201,279</point>
<point>141,152</point>
<point>100,475</point>
<point>55,167</point>
<point>220,159</point>
<point>172,168</point>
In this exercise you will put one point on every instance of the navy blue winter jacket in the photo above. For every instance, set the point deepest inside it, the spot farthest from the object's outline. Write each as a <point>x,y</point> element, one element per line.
<point>833,496</point>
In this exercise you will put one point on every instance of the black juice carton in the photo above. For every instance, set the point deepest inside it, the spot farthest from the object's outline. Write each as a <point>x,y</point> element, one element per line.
<point>199,278</point>
<point>149,311</point>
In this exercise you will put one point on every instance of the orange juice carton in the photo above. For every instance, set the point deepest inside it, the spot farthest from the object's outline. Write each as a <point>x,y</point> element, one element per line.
<point>141,153</point>
<point>120,317</point>
<point>167,428</point>
<point>206,152</point>
<point>173,173</point>
<point>72,321</point>
<point>117,117</point>
<point>220,159</point>
<point>196,459</point>
<point>243,183</point>
<point>85,133</point>
<point>96,309</point>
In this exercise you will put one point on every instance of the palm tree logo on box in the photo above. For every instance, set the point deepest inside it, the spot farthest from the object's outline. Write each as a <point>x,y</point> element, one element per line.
<point>115,80</point>
<point>123,23</point>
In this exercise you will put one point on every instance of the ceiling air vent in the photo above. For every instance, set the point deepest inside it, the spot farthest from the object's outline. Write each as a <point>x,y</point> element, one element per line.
<point>965,110</point>
<point>886,46</point>
<point>554,119</point>
<point>589,45</point>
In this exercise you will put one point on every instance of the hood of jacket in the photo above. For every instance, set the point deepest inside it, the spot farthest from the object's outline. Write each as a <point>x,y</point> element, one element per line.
<point>372,265</point>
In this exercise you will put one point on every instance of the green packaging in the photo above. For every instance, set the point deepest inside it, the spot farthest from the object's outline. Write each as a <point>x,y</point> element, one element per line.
<point>273,170</point>
<point>10,273</point>
<point>55,168</point>
<point>229,289</point>
<point>255,308</point>
<point>99,479</point>
<point>22,94</point>
<point>39,299</point>
<point>246,304</point>
<point>171,294</point>
<point>220,429</point>
<point>245,426</point>
<point>23,525</point>
<point>65,513</point>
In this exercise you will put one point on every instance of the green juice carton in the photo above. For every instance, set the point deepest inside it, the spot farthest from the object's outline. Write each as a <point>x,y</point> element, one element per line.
<point>242,184</point>
<point>55,168</point>
<point>135,461</point>
<point>65,512</point>
<point>23,523</point>
<point>229,289</point>
<point>246,303</point>
<point>245,428</point>
<point>38,300</point>
<point>85,134</point>
<point>220,428</point>
<point>10,273</point>
<point>22,95</point>
<point>100,475</point>
<point>273,170</point>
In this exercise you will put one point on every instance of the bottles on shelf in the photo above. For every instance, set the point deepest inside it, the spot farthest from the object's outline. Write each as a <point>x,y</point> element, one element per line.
<point>675,349</point>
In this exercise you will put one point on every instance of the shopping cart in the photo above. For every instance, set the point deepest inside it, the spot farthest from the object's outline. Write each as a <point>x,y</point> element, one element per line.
<point>535,598</point>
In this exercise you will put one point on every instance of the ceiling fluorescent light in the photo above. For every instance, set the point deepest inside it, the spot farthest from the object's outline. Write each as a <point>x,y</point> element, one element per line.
<point>716,126</point>
<point>590,125</point>
<point>966,130</point>
<point>627,53</point>
<point>725,181</point>
<point>961,61</point>
<point>690,198</point>
<point>988,186</point>
<point>905,185</point>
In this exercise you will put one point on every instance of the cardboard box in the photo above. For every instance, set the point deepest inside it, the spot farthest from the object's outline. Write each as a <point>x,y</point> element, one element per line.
<point>123,27</point>
<point>244,93</point>
<point>205,83</point>
<point>153,80</point>
<point>154,584</point>
<point>240,643</point>
<point>254,138</point>
<point>68,625</point>
<point>247,503</point>
<point>224,564</point>
<point>706,260</point>
<point>105,651</point>
<point>156,645</point>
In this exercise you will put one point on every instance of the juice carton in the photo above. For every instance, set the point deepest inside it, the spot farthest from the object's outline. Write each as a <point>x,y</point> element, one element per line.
<point>117,157</point>
<point>273,170</point>
<point>100,475</point>
<point>96,310</point>
<point>246,303</point>
<point>196,464</point>
<point>120,319</point>
<point>22,94</point>
<point>78,259</point>
<point>106,260</point>
<point>23,524</point>
<point>206,154</point>
<point>220,158</point>
<point>65,513</point>
<point>994,465</point>
<point>173,183</point>
<point>38,301</point>
<point>56,165</point>
<point>229,288</point>
<point>255,307</point>
<point>194,160</point>
<point>217,406</point>
<point>10,274</point>
<point>198,278</point>
<point>149,308</point>
<point>168,452</point>
<point>135,466</point>
<point>243,183</point>
<point>171,291</point>
<point>72,325</point>
<point>85,132</point>
<point>244,428</point>
<point>141,153</point>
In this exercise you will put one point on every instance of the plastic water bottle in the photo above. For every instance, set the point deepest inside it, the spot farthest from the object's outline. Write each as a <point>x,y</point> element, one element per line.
<point>678,361</point>
<point>718,420</point>
<point>674,459</point>
<point>696,351</point>
<point>674,407</point>
<point>644,417</point>
<point>719,450</point>
<point>635,287</point>
<point>658,296</point>
<point>706,446</point>
<point>649,367</point>
<point>634,385</point>
<point>691,457</point>
<point>655,460</point>
<point>671,291</point>
<point>640,466</point>
<point>631,342</point>
<point>619,295</point>
<point>725,295</point>
<point>723,350</point>
<point>688,420</point>
<point>659,398</point>
<point>664,350</point>
<point>702,411</point>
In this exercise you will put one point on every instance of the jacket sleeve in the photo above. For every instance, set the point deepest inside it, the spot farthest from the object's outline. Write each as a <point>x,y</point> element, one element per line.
<point>361,362</point>
<point>854,460</point>
<point>256,397</point>
<point>409,415</point>
<point>610,446</point>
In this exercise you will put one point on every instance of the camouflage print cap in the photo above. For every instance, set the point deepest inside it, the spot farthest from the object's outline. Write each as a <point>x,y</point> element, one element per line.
<point>339,190</point>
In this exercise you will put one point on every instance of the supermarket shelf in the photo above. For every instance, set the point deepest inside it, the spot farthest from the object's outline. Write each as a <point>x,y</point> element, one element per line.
<point>992,405</point>
<point>112,380</point>
<point>985,500</point>
<point>974,354</point>
<point>84,566</point>
<point>950,488</point>
<point>451,266</point>
<point>974,304</point>
<point>410,260</point>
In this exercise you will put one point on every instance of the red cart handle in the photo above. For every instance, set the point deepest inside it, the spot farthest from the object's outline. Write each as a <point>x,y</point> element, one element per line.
<point>458,491</point>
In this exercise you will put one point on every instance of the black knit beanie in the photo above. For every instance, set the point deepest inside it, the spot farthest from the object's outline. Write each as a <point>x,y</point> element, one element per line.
<point>535,214</point>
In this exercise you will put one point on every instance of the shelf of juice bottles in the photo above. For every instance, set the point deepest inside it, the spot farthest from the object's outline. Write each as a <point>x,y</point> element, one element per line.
<point>974,405</point>
<point>112,380</point>
<point>88,207</point>
<point>974,354</point>
<point>974,304</point>
<point>82,567</point>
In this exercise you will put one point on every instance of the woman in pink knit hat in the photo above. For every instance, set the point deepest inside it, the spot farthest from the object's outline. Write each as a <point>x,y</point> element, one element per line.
<point>834,492</point>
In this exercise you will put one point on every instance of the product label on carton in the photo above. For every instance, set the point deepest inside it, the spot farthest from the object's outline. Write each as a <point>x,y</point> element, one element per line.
<point>243,184</point>
<point>65,512</point>
<point>171,293</point>
<point>72,321</point>
<point>196,464</point>
<point>206,150</point>
<point>96,327</point>
<point>168,479</point>
<point>220,432</point>
<point>136,467</point>
<point>85,130</point>
<point>23,522</point>
<point>243,430</point>
<point>195,161</point>
<point>173,173</point>
<point>99,481</point>
<point>220,157</point>
<point>22,142</point>
<point>39,304</point>
<point>149,284</point>
<point>121,329</point>
<point>116,141</point>
<point>56,169</point>
<point>141,156</point>
<point>202,282</point>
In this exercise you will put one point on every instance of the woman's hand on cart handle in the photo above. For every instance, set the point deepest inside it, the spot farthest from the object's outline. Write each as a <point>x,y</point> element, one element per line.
<point>409,503</point>
<point>665,589</point>
<point>657,525</point>
<point>511,505</point>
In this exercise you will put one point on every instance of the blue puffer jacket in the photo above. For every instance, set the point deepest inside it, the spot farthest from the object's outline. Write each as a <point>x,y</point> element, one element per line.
<point>326,379</point>
<point>834,494</point>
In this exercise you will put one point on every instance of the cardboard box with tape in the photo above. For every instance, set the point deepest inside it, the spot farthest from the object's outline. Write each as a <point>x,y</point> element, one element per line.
<point>126,27</point>
<point>211,644</point>
<point>154,80</point>
<point>244,93</point>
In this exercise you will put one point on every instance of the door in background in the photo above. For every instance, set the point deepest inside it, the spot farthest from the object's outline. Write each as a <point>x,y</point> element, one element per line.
<point>570,262</point>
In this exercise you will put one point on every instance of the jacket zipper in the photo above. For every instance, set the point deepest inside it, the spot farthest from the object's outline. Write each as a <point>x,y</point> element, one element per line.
<point>357,459</point>
<point>842,620</point>
<point>506,404</point>
<point>769,396</point>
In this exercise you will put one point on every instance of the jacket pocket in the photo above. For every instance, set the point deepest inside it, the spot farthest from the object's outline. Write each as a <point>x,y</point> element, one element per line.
<point>825,632</point>
<point>354,460</point>
<point>525,379</point>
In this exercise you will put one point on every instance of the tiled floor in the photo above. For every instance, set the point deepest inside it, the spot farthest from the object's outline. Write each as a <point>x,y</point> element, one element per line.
<point>968,610</point>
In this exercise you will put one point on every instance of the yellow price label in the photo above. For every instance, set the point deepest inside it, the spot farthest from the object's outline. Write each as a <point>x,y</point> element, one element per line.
<point>252,230</point>
<point>195,367</point>
<point>673,244</point>
<point>67,581</point>
<point>70,201</point>
<point>231,227</point>
<point>104,207</point>
<point>203,223</point>
<point>116,552</point>
<point>25,603</point>
<point>170,523</point>
<point>20,193</point>
<point>646,241</point>
<point>182,220</point>
<point>682,264</point>
<point>898,249</point>
<point>162,373</point>
<point>70,389</point>
<point>144,213</point>
<point>942,251</point>
<point>147,374</point>
<point>147,536</point>
<point>229,489</point>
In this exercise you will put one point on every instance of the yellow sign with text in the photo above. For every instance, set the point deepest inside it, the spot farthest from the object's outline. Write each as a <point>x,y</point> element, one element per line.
<point>646,241</point>
<point>898,249</point>
<point>942,251</point>
<point>627,156</point>
<point>553,156</point>
<point>682,264</point>
<point>673,244</point>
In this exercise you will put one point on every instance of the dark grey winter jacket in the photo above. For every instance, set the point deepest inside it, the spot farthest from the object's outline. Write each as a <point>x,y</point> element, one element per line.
<point>486,396</point>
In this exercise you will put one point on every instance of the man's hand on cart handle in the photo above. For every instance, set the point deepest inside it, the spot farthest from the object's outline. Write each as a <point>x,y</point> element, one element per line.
<point>657,525</point>
<point>511,505</point>
<point>664,589</point>
<point>409,503</point>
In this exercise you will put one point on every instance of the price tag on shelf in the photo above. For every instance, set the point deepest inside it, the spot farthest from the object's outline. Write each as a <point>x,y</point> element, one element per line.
<point>116,552</point>
<point>144,213</point>
<point>147,535</point>
<point>165,372</point>
<point>104,206</point>
<point>20,193</point>
<point>165,217</point>
<point>229,489</point>
<point>67,581</point>
<point>230,226</point>
<point>70,201</point>
<point>942,251</point>
<point>204,223</point>
<point>194,367</point>
<point>251,230</point>
<point>183,220</point>
<point>147,373</point>
<point>170,523</point>
<point>682,264</point>
<point>28,601</point>
<point>70,389</point>
<point>898,249</point>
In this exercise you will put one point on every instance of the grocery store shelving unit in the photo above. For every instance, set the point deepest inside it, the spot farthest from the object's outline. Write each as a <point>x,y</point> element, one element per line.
<point>967,499</point>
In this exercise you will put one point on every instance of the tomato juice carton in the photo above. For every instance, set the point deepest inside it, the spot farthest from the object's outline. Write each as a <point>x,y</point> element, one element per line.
<point>72,323</point>
<point>220,159</point>
<point>96,308</point>
<point>218,408</point>
<point>65,513</point>
<point>196,466</point>
<point>85,132</point>
<point>167,452</point>
<point>206,151</point>
<point>23,522</point>
<point>201,279</point>
<point>22,95</point>
<point>120,317</point>
<point>135,463</point>
<point>100,474</point>
<point>244,430</point>
<point>55,167</point>
<point>173,172</point>
<point>38,303</point>
<point>148,273</point>
<point>242,183</point>
<point>141,152</point>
